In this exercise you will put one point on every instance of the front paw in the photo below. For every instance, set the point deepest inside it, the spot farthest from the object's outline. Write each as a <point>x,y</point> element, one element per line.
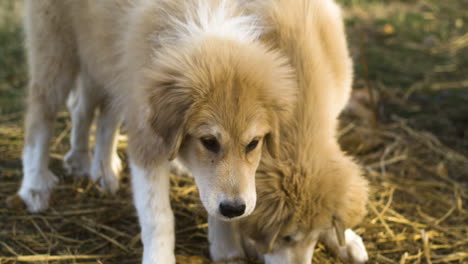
<point>354,252</point>
<point>77,163</point>
<point>35,196</point>
<point>107,175</point>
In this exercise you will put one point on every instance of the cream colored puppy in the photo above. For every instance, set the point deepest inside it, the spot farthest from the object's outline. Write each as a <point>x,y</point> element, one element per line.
<point>312,191</point>
<point>191,78</point>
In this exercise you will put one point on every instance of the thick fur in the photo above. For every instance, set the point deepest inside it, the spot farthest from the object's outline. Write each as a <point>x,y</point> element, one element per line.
<point>313,182</point>
<point>178,72</point>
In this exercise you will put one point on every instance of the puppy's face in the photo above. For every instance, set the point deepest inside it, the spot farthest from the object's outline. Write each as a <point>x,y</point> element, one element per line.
<point>223,159</point>
<point>214,104</point>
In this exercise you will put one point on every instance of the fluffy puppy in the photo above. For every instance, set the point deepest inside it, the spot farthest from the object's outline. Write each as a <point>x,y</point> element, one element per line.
<point>192,79</point>
<point>312,190</point>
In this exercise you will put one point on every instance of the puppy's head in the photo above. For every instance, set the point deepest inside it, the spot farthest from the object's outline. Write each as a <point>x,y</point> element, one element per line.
<point>289,242</point>
<point>297,203</point>
<point>277,228</point>
<point>291,246</point>
<point>215,103</point>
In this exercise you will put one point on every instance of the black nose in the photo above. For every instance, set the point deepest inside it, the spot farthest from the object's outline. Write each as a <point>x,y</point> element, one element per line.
<point>232,209</point>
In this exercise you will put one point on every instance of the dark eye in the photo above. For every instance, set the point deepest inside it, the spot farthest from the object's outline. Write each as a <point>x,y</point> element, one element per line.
<point>211,144</point>
<point>252,145</point>
<point>287,239</point>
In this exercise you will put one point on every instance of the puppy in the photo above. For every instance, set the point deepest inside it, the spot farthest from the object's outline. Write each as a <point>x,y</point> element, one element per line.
<point>192,79</point>
<point>312,190</point>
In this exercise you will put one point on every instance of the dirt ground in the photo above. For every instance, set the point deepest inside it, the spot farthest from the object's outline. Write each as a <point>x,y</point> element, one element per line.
<point>407,124</point>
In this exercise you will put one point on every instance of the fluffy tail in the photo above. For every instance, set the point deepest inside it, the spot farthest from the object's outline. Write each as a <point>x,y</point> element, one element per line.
<point>311,34</point>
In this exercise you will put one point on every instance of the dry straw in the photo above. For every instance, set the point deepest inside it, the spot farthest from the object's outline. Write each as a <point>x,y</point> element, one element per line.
<point>416,213</point>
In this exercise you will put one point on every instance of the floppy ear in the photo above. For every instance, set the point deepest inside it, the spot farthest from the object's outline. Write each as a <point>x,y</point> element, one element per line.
<point>169,108</point>
<point>272,138</point>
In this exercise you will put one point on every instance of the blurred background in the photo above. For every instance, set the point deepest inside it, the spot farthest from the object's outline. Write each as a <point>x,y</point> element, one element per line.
<point>407,124</point>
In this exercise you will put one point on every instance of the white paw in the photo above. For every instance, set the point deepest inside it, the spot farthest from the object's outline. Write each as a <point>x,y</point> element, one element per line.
<point>354,252</point>
<point>158,255</point>
<point>77,163</point>
<point>107,175</point>
<point>36,195</point>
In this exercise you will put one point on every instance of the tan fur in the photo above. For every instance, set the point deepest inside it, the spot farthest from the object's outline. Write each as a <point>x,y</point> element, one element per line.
<point>314,180</point>
<point>148,56</point>
<point>177,78</point>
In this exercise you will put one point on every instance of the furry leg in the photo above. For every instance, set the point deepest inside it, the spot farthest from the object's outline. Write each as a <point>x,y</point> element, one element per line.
<point>82,105</point>
<point>38,180</point>
<point>151,197</point>
<point>53,67</point>
<point>107,165</point>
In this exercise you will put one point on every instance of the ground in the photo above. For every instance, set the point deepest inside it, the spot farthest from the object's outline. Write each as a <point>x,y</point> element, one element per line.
<point>407,125</point>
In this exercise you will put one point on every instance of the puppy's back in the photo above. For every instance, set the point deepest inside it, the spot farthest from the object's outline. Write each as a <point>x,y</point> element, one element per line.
<point>311,34</point>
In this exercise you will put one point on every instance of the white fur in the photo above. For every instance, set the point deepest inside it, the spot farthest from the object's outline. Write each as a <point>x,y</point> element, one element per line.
<point>81,106</point>
<point>178,168</point>
<point>151,197</point>
<point>38,180</point>
<point>220,21</point>
<point>225,242</point>
<point>77,162</point>
<point>354,252</point>
<point>106,165</point>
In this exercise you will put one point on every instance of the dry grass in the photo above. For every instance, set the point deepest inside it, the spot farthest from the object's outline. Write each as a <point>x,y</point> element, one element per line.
<point>408,129</point>
<point>417,212</point>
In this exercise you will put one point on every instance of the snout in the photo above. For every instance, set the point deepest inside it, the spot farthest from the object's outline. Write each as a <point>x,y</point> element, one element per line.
<point>232,208</point>
<point>227,196</point>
